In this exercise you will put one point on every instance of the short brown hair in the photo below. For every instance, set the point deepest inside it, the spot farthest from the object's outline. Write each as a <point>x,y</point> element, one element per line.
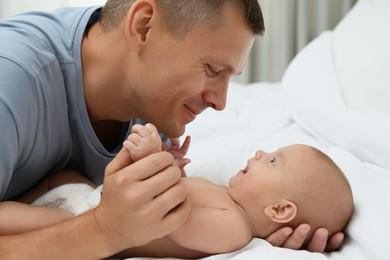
<point>181,16</point>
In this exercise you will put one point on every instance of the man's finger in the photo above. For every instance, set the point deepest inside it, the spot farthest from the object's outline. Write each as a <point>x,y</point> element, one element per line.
<point>279,237</point>
<point>171,198</point>
<point>297,238</point>
<point>318,241</point>
<point>335,242</point>
<point>120,161</point>
<point>161,182</point>
<point>178,215</point>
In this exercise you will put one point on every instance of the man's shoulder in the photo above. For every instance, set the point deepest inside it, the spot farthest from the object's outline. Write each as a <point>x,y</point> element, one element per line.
<point>36,39</point>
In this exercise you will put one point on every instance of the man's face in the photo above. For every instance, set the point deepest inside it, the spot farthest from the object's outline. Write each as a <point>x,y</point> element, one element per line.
<point>181,77</point>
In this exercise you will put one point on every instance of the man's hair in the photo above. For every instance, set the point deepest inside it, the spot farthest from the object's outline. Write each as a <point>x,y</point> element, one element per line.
<point>181,16</point>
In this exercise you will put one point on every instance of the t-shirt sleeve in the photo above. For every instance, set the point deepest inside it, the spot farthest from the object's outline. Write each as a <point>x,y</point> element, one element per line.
<point>18,119</point>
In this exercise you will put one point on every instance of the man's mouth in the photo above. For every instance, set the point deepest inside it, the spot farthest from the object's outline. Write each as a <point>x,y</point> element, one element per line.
<point>192,113</point>
<point>194,110</point>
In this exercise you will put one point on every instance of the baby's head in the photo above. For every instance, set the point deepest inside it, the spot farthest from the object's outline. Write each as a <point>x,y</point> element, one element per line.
<point>293,185</point>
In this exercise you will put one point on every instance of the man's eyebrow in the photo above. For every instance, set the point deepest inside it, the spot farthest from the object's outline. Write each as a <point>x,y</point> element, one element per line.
<point>226,66</point>
<point>231,69</point>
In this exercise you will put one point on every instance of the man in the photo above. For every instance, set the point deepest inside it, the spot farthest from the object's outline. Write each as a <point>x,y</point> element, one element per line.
<point>71,85</point>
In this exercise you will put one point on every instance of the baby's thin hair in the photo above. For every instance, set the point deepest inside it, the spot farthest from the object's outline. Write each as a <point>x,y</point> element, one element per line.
<point>333,215</point>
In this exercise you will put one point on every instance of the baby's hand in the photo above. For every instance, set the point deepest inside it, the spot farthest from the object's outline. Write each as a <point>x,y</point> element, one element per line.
<point>143,141</point>
<point>179,152</point>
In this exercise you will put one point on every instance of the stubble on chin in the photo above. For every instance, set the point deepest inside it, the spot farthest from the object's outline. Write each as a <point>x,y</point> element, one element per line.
<point>170,129</point>
<point>174,132</point>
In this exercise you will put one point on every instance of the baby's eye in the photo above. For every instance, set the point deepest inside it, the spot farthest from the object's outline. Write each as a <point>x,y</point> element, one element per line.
<point>273,160</point>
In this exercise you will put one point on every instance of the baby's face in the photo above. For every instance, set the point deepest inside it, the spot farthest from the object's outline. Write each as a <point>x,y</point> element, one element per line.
<point>268,176</point>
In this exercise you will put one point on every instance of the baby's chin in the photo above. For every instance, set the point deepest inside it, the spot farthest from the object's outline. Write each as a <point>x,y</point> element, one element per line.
<point>233,178</point>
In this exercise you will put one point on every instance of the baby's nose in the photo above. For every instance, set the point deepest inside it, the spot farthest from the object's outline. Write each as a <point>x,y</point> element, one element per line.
<point>259,154</point>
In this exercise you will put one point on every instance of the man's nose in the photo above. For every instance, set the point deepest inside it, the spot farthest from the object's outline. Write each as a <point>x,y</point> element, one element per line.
<point>216,95</point>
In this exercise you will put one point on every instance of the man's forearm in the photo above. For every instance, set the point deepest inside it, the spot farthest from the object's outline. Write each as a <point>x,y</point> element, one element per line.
<point>17,218</point>
<point>76,238</point>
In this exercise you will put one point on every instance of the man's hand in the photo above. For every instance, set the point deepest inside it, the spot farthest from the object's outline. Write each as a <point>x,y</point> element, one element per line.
<point>142,201</point>
<point>294,239</point>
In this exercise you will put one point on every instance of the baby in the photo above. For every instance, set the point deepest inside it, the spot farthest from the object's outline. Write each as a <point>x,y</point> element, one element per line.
<point>293,185</point>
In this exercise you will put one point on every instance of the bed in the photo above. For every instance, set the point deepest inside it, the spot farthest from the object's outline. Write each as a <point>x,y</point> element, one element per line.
<point>335,95</point>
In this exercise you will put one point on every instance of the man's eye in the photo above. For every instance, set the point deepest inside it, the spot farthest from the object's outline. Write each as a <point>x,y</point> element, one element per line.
<point>211,72</point>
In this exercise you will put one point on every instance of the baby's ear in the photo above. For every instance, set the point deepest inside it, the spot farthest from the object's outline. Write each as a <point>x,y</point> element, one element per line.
<point>282,212</point>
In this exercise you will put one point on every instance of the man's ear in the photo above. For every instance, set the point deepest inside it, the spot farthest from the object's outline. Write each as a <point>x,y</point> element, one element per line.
<point>139,21</point>
<point>282,212</point>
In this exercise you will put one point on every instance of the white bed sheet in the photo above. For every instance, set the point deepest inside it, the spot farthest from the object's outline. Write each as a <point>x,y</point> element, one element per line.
<point>306,107</point>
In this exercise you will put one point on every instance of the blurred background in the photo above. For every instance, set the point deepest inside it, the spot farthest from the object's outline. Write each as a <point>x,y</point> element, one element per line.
<point>290,25</point>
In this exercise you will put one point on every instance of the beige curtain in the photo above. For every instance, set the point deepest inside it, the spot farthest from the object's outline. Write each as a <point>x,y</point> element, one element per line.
<point>290,25</point>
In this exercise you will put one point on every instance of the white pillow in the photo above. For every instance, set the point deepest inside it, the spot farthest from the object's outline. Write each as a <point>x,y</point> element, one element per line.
<point>312,94</point>
<point>362,56</point>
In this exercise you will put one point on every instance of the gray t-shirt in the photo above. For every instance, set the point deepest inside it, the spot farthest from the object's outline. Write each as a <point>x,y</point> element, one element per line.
<point>44,124</point>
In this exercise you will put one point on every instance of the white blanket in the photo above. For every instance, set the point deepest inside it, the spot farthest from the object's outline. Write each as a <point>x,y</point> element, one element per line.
<point>307,107</point>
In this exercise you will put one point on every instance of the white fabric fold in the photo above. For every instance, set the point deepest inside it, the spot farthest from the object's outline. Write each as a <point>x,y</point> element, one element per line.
<point>312,93</point>
<point>76,198</point>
